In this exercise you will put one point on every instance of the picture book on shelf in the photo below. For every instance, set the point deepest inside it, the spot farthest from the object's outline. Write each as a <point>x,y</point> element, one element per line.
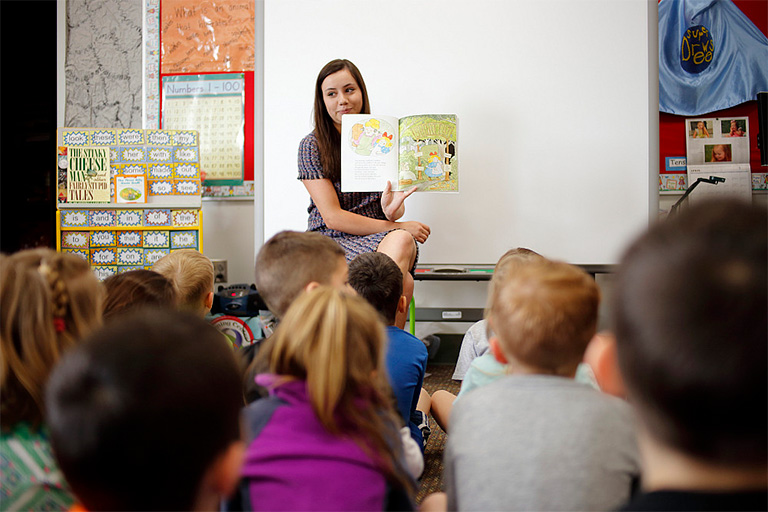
<point>418,150</point>
<point>87,173</point>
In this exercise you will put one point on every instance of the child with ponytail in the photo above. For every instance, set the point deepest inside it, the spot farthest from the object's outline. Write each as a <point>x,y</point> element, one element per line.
<point>326,438</point>
<point>48,302</point>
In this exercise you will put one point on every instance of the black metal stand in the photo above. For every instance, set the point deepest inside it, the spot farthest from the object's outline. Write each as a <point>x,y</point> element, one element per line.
<point>714,180</point>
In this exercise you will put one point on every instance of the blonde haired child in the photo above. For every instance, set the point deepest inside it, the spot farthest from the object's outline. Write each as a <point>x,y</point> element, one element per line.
<point>475,365</point>
<point>191,273</point>
<point>570,446</point>
<point>48,302</point>
<point>328,427</point>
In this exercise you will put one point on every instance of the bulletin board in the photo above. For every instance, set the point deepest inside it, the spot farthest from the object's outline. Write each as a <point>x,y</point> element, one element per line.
<point>196,41</point>
<point>117,231</point>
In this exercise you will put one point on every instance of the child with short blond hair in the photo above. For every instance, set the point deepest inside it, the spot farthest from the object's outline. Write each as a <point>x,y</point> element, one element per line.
<point>291,261</point>
<point>537,439</point>
<point>191,273</point>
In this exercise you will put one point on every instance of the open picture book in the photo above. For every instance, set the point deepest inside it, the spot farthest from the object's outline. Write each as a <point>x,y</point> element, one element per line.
<point>418,150</point>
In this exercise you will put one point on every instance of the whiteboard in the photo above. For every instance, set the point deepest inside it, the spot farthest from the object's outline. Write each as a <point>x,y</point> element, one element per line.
<point>557,104</point>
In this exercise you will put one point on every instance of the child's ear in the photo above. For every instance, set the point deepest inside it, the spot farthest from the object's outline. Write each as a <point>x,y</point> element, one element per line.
<point>493,341</point>
<point>209,301</point>
<point>402,304</point>
<point>311,286</point>
<point>602,358</point>
<point>224,474</point>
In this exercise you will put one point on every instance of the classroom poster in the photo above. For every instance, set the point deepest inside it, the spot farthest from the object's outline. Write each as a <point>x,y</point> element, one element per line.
<point>717,140</point>
<point>207,36</point>
<point>719,147</point>
<point>214,106</point>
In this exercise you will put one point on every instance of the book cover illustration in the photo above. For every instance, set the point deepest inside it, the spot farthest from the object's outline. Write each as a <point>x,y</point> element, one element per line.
<point>87,174</point>
<point>417,150</point>
<point>131,189</point>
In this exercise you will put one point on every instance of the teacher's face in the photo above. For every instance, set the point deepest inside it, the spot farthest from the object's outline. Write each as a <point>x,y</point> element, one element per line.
<point>341,95</point>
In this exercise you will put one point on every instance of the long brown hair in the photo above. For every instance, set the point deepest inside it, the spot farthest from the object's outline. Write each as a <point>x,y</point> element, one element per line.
<point>336,343</point>
<point>328,136</point>
<point>48,302</point>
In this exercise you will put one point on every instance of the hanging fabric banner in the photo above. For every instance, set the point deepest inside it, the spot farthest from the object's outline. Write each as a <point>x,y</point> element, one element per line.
<point>711,57</point>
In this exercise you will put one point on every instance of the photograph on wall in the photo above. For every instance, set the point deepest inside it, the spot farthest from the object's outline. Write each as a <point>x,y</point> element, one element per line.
<point>214,106</point>
<point>718,153</point>
<point>717,141</point>
<point>733,127</point>
<point>701,129</point>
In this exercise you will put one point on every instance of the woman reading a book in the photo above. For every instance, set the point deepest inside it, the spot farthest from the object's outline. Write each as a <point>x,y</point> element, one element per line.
<point>360,222</point>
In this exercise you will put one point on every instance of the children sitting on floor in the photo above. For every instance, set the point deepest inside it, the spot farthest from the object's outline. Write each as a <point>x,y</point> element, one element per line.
<point>327,437</point>
<point>377,278</point>
<point>48,302</point>
<point>145,415</point>
<point>476,365</point>
<point>191,274</point>
<point>137,289</point>
<point>475,342</point>
<point>536,439</point>
<point>689,308</point>
<point>288,264</point>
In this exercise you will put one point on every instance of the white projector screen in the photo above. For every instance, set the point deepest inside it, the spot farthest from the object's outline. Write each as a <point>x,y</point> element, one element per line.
<point>557,104</point>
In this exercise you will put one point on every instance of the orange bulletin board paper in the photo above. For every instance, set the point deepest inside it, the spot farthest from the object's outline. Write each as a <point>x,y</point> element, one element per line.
<point>207,36</point>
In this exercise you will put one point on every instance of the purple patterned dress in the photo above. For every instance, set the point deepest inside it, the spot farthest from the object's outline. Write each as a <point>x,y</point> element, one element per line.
<point>367,204</point>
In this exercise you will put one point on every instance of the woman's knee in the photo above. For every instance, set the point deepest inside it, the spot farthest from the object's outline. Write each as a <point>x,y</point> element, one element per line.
<point>400,246</point>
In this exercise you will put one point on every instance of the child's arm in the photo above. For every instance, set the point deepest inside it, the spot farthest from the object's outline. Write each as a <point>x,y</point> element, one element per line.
<point>414,459</point>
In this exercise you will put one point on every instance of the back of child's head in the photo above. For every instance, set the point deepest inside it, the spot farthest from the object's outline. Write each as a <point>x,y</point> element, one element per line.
<point>377,278</point>
<point>544,313</point>
<point>517,254</point>
<point>289,261</point>
<point>336,343</point>
<point>137,289</point>
<point>48,302</point>
<point>141,410</point>
<point>689,309</point>
<point>191,274</point>
<point>508,262</point>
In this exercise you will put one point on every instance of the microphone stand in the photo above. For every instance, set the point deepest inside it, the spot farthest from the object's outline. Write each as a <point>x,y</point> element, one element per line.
<point>714,180</point>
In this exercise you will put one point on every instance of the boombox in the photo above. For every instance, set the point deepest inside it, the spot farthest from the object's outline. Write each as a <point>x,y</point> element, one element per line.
<point>238,300</point>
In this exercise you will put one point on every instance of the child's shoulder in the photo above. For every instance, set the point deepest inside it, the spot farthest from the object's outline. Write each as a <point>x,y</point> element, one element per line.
<point>402,339</point>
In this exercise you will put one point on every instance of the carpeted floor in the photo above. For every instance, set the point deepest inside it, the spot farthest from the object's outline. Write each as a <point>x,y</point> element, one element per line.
<point>438,377</point>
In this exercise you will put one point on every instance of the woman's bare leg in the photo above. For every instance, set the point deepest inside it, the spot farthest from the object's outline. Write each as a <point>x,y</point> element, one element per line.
<point>401,247</point>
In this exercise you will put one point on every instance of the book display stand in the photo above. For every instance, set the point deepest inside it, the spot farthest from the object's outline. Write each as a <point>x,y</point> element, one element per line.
<point>127,197</point>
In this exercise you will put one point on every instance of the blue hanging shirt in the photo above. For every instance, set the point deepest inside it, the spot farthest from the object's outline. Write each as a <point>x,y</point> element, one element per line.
<point>711,57</point>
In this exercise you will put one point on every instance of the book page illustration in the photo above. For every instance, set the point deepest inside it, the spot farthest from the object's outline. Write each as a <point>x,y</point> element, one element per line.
<point>428,153</point>
<point>368,153</point>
